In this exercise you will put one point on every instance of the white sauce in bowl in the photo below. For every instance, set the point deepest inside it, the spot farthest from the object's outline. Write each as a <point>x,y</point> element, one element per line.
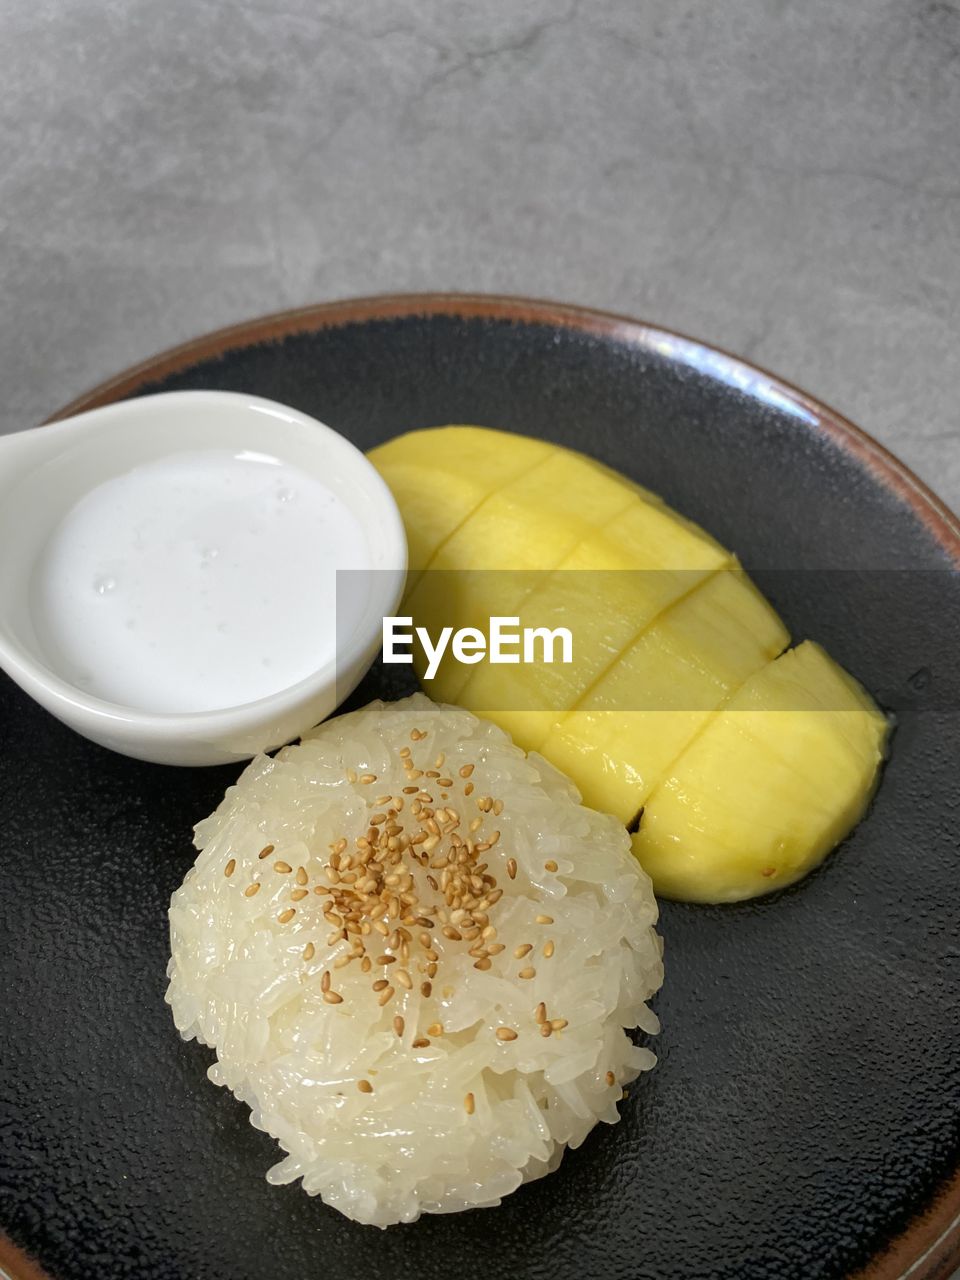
<point>203,580</point>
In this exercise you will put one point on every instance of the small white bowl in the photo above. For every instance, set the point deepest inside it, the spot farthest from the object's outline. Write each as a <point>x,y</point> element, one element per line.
<point>46,471</point>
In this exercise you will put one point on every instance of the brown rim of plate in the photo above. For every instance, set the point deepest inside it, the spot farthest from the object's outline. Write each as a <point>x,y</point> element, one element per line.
<point>929,1247</point>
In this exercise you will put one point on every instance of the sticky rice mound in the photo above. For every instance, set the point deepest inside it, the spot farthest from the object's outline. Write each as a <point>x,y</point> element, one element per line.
<point>416,956</point>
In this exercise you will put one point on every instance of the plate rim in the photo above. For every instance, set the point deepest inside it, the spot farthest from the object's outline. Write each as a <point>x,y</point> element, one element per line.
<point>928,1247</point>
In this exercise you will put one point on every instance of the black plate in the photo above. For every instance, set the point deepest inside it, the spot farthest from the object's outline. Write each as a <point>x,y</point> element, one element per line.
<point>803,1121</point>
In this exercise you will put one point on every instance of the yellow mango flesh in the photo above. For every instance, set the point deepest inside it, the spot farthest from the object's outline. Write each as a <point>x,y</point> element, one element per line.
<point>772,783</point>
<point>621,565</point>
<point>630,726</point>
<point>496,557</point>
<point>440,475</point>
<point>673,703</point>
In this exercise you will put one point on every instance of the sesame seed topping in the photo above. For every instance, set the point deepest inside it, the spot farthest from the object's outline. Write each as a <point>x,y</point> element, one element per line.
<point>398,1025</point>
<point>523,950</point>
<point>512,868</point>
<point>386,995</point>
<point>301,875</point>
<point>541,1012</point>
<point>550,865</point>
<point>368,778</point>
<point>266,851</point>
<point>435,1029</point>
<point>558,1023</point>
<point>506,1033</point>
<point>230,868</point>
<point>365,1086</point>
<point>610,1078</point>
<point>332,997</point>
<point>469,1105</point>
<point>548,949</point>
<point>309,951</point>
<point>544,920</point>
<point>282,868</point>
<point>421,1042</point>
<point>252,889</point>
<point>465,770</point>
<point>529,972</point>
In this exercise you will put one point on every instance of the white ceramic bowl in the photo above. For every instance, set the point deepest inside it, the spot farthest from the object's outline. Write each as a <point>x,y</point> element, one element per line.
<point>45,471</point>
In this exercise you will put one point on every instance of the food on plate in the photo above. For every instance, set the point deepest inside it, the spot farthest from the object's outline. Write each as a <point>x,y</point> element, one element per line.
<point>667,631</point>
<point>416,956</point>
<point>810,741</point>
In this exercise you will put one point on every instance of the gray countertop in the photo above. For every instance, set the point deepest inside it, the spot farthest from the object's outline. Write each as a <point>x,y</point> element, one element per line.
<point>781,179</point>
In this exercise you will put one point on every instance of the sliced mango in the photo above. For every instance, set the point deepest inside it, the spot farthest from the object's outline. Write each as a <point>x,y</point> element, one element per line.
<point>775,779</point>
<point>633,723</point>
<point>498,553</point>
<point>747,770</point>
<point>440,475</point>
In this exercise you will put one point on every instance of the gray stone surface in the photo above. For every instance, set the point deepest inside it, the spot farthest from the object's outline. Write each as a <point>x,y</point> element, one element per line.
<point>780,178</point>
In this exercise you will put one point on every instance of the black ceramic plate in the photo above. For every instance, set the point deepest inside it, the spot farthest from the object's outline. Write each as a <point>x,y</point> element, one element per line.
<point>803,1121</point>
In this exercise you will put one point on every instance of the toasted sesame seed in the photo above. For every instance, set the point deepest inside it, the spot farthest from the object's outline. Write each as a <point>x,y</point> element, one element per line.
<point>529,972</point>
<point>367,778</point>
<point>251,889</point>
<point>425,989</point>
<point>468,789</point>
<point>282,868</point>
<point>301,875</point>
<point>421,1042</point>
<point>365,965</point>
<point>454,935</point>
<point>548,949</point>
<point>512,868</point>
<point>497,808</point>
<point>494,948</point>
<point>333,997</point>
<point>266,851</point>
<point>385,959</point>
<point>230,868</point>
<point>521,951</point>
<point>309,951</point>
<point>386,995</point>
<point>380,984</point>
<point>544,920</point>
<point>541,1012</point>
<point>466,770</point>
<point>546,1029</point>
<point>506,1033</point>
<point>558,1023</point>
<point>404,979</point>
<point>398,1025</point>
<point>365,1086</point>
<point>351,775</point>
<point>469,1104</point>
<point>435,1029</point>
<point>325,980</point>
<point>483,963</point>
<point>610,1078</point>
<point>296,895</point>
<point>550,865</point>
